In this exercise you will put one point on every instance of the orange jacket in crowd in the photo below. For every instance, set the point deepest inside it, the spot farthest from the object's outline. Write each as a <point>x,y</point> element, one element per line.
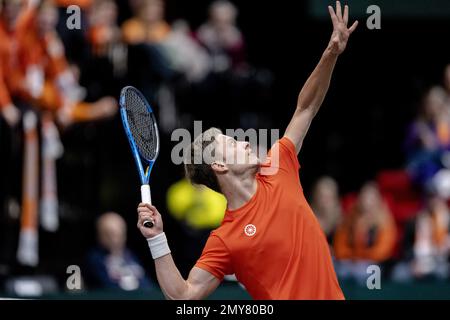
<point>135,31</point>
<point>12,67</point>
<point>83,4</point>
<point>359,239</point>
<point>5,47</point>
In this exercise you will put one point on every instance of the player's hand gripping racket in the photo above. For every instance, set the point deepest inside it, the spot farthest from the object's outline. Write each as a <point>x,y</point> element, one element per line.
<point>142,131</point>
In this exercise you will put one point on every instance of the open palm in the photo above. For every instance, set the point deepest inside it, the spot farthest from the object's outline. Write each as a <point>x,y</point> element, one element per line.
<point>341,33</point>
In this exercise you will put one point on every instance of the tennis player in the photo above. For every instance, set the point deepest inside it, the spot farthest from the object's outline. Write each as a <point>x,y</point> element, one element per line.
<point>269,237</point>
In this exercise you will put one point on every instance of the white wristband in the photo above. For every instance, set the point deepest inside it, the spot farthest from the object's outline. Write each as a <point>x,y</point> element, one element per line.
<point>158,246</point>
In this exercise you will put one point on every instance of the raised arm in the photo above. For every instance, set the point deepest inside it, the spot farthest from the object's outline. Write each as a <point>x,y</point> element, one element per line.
<point>198,285</point>
<point>314,90</point>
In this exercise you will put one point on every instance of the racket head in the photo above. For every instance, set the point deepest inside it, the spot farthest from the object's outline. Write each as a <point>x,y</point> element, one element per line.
<point>140,125</point>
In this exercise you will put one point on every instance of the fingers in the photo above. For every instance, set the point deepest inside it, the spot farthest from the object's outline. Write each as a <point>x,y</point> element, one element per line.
<point>338,10</point>
<point>334,19</point>
<point>144,216</point>
<point>353,27</point>
<point>346,14</point>
<point>146,212</point>
<point>147,206</point>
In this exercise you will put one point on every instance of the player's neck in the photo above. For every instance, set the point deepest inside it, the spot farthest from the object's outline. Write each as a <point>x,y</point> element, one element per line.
<point>238,190</point>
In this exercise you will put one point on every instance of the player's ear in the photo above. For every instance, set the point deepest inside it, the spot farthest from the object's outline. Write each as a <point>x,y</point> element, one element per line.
<point>219,167</point>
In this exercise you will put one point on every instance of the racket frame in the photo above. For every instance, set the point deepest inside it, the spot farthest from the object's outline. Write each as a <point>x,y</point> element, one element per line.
<point>144,175</point>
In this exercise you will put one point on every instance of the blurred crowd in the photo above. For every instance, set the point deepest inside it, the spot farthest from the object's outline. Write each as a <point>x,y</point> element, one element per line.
<point>401,220</point>
<point>62,65</point>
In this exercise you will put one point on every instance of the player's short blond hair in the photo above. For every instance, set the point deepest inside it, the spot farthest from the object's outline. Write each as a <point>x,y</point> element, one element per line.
<point>202,173</point>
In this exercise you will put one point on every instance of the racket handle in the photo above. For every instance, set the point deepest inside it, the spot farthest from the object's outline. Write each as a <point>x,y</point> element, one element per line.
<point>146,198</point>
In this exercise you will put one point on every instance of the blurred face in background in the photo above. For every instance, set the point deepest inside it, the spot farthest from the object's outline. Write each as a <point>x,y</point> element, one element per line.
<point>325,195</point>
<point>434,103</point>
<point>111,230</point>
<point>152,11</point>
<point>369,199</point>
<point>47,17</point>
<point>10,11</point>
<point>109,9</point>
<point>103,13</point>
<point>223,14</point>
<point>436,204</point>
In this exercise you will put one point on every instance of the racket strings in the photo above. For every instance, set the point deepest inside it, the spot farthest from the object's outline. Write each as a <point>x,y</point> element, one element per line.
<point>142,125</point>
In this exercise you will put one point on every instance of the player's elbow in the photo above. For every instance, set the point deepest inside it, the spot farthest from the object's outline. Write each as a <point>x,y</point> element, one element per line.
<point>186,292</point>
<point>307,110</point>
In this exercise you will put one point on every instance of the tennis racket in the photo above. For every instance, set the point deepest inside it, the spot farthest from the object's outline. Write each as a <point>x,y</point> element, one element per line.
<point>141,129</point>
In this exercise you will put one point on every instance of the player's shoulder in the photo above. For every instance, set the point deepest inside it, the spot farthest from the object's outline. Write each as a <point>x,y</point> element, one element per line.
<point>282,155</point>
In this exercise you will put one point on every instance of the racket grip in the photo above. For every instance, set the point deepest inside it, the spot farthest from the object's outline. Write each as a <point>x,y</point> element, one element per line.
<point>146,198</point>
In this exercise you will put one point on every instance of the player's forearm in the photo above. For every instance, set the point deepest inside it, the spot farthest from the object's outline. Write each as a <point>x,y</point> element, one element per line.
<point>313,92</point>
<point>170,280</point>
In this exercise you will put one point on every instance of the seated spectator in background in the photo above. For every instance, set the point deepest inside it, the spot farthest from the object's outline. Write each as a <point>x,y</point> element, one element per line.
<point>366,236</point>
<point>74,38</point>
<point>111,265</point>
<point>15,17</point>
<point>426,243</point>
<point>148,65</point>
<point>8,110</point>
<point>148,24</point>
<point>326,205</point>
<point>428,141</point>
<point>243,89</point>
<point>105,72</point>
<point>221,36</point>
<point>185,55</point>
<point>103,29</point>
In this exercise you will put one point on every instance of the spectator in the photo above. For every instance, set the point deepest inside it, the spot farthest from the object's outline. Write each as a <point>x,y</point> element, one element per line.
<point>103,29</point>
<point>326,205</point>
<point>8,110</point>
<point>239,84</point>
<point>51,83</point>
<point>366,236</point>
<point>148,65</point>
<point>112,265</point>
<point>15,19</point>
<point>104,73</point>
<point>426,243</point>
<point>148,25</point>
<point>428,140</point>
<point>222,38</point>
<point>185,55</point>
<point>74,39</point>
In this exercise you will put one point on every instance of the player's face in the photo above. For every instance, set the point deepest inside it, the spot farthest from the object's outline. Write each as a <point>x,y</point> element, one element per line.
<point>235,154</point>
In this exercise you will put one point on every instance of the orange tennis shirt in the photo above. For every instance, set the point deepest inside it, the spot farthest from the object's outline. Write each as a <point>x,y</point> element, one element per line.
<point>274,243</point>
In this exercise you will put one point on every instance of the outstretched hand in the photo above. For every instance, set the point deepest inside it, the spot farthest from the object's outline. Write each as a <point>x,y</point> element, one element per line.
<point>341,33</point>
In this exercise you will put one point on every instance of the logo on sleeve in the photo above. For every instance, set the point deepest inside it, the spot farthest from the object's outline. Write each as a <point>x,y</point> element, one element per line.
<point>250,230</point>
